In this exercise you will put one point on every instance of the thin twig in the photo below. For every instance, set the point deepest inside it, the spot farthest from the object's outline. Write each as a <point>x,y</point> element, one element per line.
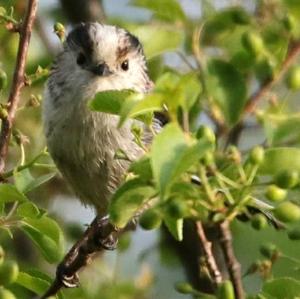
<point>185,121</point>
<point>18,80</point>
<point>11,172</point>
<point>201,63</point>
<point>265,88</point>
<point>206,246</point>
<point>233,266</point>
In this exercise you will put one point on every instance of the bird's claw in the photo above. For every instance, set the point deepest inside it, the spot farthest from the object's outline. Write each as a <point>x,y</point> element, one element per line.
<point>109,243</point>
<point>106,240</point>
<point>71,281</point>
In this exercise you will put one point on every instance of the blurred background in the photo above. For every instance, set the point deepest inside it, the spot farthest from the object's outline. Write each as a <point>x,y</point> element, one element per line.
<point>148,263</point>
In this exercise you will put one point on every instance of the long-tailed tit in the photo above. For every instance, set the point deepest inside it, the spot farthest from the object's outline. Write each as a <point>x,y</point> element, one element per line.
<point>83,143</point>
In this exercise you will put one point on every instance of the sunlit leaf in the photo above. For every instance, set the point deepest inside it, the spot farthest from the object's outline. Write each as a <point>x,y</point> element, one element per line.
<point>173,153</point>
<point>28,209</point>
<point>150,103</point>
<point>126,104</point>
<point>136,106</point>
<point>109,101</point>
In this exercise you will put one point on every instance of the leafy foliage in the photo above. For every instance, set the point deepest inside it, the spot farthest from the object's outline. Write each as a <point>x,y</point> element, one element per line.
<point>205,165</point>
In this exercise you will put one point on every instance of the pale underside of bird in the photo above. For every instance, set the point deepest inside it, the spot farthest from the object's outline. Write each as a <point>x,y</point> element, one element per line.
<point>82,142</point>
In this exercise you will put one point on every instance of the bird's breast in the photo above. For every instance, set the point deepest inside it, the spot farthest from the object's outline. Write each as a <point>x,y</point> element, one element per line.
<point>83,144</point>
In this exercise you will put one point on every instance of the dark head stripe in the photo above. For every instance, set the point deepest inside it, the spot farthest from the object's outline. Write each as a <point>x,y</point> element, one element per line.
<point>134,42</point>
<point>81,36</point>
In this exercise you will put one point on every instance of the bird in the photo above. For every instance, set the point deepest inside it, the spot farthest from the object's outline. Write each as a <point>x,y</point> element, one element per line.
<point>83,143</point>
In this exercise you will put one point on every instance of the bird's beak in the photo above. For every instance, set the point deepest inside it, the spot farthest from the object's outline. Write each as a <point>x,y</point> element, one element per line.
<point>101,69</point>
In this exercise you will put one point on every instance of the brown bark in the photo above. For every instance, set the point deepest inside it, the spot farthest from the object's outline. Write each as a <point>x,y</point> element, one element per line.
<point>18,80</point>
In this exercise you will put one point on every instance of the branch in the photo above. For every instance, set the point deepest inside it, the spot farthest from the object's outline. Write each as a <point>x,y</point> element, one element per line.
<point>208,254</point>
<point>18,80</point>
<point>254,99</point>
<point>233,266</point>
<point>100,235</point>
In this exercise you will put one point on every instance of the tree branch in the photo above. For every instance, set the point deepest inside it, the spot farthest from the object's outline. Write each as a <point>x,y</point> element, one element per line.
<point>206,246</point>
<point>233,266</point>
<point>100,235</point>
<point>18,80</point>
<point>254,99</point>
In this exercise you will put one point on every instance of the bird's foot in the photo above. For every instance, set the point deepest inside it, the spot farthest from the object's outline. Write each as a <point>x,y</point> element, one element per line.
<point>109,243</point>
<point>69,281</point>
<point>106,234</point>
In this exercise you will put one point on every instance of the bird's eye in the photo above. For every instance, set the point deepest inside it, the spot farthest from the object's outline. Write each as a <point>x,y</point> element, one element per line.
<point>125,65</point>
<point>81,59</point>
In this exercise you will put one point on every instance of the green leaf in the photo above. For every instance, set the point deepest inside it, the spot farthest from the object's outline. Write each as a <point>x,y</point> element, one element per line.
<point>150,103</point>
<point>279,159</point>
<point>276,41</point>
<point>156,39</point>
<point>190,87</point>
<point>46,235</point>
<point>124,103</point>
<point>28,209</point>
<point>171,89</point>
<point>178,90</point>
<point>167,82</point>
<point>142,168</point>
<point>25,182</point>
<point>34,284</point>
<point>293,6</point>
<point>9,193</point>
<point>22,179</point>
<point>167,10</point>
<point>127,200</point>
<point>279,288</point>
<point>172,153</point>
<point>175,227</point>
<point>224,22</point>
<point>109,101</point>
<point>36,281</point>
<point>281,128</point>
<point>227,88</point>
<point>137,106</point>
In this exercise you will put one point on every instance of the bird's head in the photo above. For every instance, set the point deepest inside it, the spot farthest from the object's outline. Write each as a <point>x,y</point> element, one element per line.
<point>102,57</point>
